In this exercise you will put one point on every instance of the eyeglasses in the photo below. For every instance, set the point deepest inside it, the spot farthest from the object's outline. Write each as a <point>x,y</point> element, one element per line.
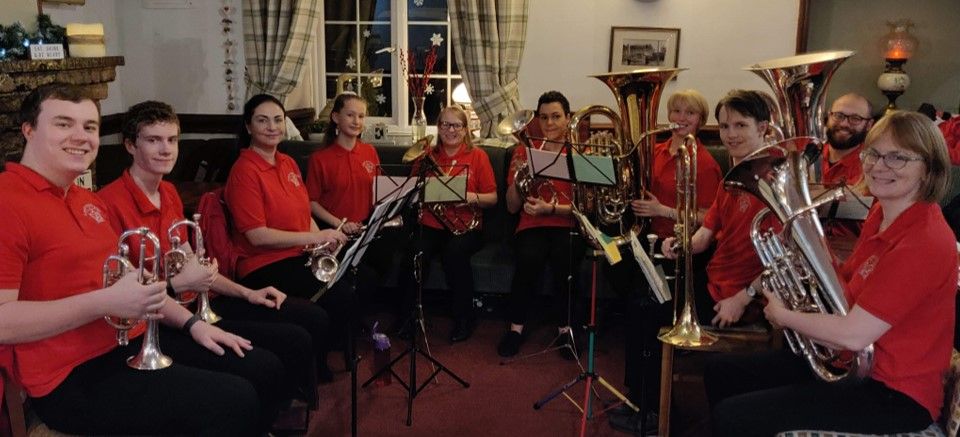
<point>893,160</point>
<point>450,126</point>
<point>840,117</point>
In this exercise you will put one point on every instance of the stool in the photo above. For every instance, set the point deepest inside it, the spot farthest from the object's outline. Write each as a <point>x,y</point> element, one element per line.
<point>745,339</point>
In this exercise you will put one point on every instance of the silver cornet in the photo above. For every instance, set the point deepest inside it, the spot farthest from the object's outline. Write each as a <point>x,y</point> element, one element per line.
<point>323,262</point>
<point>150,356</point>
<point>176,258</point>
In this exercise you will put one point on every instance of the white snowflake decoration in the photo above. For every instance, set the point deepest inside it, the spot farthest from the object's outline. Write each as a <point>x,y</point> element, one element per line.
<point>351,63</point>
<point>366,33</point>
<point>429,89</point>
<point>436,39</point>
<point>380,98</point>
<point>418,3</point>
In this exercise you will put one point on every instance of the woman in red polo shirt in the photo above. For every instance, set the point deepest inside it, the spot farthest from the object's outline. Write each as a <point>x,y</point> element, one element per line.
<point>270,208</point>
<point>452,238</point>
<point>543,235</point>
<point>901,280</point>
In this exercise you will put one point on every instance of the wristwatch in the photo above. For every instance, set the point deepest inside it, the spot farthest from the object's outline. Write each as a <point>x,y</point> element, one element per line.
<point>752,291</point>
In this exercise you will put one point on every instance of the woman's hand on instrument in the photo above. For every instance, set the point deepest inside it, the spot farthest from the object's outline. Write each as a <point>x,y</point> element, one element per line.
<point>351,228</point>
<point>668,249</point>
<point>132,300</point>
<point>536,206</point>
<point>774,309</point>
<point>649,207</point>
<point>330,236</point>
<point>218,340</point>
<point>195,276</point>
<point>269,297</point>
<point>730,310</point>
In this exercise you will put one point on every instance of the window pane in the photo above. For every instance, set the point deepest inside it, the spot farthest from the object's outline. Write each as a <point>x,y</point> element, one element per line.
<point>373,38</point>
<point>420,43</point>
<point>350,84</point>
<point>372,10</point>
<point>435,99</point>
<point>341,48</point>
<point>379,99</point>
<point>340,10</point>
<point>427,10</point>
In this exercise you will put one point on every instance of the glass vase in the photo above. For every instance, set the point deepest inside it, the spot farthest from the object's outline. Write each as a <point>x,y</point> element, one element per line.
<point>418,124</point>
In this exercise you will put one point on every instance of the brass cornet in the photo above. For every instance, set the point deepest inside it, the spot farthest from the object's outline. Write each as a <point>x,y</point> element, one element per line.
<point>175,259</point>
<point>150,356</point>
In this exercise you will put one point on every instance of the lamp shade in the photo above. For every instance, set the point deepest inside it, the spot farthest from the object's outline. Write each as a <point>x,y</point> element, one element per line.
<point>899,44</point>
<point>460,94</point>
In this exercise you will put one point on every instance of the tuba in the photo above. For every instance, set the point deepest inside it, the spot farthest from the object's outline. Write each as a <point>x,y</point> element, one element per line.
<point>686,330</point>
<point>175,259</point>
<point>527,185</point>
<point>638,96</point>
<point>798,266</point>
<point>150,357</point>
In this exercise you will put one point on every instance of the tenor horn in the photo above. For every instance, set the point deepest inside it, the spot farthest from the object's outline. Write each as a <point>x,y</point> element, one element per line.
<point>798,266</point>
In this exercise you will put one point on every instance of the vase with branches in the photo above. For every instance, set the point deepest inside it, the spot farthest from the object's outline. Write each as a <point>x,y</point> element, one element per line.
<point>418,84</point>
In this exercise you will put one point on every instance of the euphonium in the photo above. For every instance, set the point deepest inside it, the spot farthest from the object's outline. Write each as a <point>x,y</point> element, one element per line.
<point>638,96</point>
<point>686,330</point>
<point>175,259</point>
<point>150,357</point>
<point>798,266</point>
<point>527,185</point>
<point>322,260</point>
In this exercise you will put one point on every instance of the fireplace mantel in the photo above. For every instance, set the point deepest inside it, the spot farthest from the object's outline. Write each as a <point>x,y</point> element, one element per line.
<point>18,78</point>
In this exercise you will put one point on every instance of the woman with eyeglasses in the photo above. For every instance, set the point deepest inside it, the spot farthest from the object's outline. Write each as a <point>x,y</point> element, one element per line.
<point>900,284</point>
<point>543,235</point>
<point>452,229</point>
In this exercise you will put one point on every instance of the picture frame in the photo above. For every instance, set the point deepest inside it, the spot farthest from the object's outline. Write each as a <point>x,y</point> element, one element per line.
<point>638,47</point>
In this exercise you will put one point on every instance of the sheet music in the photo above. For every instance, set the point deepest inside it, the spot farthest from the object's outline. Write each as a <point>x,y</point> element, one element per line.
<point>390,188</point>
<point>445,189</point>
<point>654,274</point>
<point>548,164</point>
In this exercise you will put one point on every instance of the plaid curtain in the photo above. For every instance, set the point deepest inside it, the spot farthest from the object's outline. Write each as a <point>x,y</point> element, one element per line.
<point>488,38</point>
<point>275,37</point>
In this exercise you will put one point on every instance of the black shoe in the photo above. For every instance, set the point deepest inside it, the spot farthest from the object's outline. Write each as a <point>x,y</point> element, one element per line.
<point>509,344</point>
<point>462,329</point>
<point>567,349</point>
<point>621,410</point>
<point>631,424</point>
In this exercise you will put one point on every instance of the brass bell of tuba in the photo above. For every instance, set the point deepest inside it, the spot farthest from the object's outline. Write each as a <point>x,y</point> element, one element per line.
<point>175,259</point>
<point>638,95</point>
<point>150,356</point>
<point>686,330</point>
<point>798,266</point>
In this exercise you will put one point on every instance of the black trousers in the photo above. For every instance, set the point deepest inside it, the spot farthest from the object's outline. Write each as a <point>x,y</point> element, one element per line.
<point>454,252</point>
<point>761,394</point>
<point>200,394</point>
<point>292,277</point>
<point>535,249</point>
<point>296,333</point>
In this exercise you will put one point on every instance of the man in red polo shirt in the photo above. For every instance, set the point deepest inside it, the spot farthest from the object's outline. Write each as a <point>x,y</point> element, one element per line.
<point>848,121</point>
<point>140,197</point>
<point>54,238</point>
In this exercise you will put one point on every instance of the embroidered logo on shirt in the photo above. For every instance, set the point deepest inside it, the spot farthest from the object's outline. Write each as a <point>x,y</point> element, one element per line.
<point>744,203</point>
<point>91,210</point>
<point>294,179</point>
<point>867,267</point>
<point>369,166</point>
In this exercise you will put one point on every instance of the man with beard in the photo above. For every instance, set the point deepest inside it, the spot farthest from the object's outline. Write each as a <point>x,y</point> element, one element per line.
<point>847,125</point>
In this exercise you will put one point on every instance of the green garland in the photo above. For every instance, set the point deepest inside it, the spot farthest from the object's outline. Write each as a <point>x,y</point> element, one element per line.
<point>15,40</point>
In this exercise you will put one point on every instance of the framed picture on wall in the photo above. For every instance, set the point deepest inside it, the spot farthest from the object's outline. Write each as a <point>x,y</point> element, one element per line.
<point>638,47</point>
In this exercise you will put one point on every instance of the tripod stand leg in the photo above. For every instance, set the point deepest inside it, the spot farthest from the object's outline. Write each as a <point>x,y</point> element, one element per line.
<point>550,396</point>
<point>440,368</point>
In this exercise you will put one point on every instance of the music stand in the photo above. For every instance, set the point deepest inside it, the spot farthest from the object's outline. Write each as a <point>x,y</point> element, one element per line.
<point>593,170</point>
<point>414,198</point>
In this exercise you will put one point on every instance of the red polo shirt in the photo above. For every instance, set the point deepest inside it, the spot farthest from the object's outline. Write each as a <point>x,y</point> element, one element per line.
<point>475,162</point>
<point>260,194</point>
<point>341,180</point>
<point>735,262</point>
<point>52,246</point>
<point>128,208</point>
<point>564,193</point>
<point>845,171</point>
<point>663,183</point>
<point>906,276</point>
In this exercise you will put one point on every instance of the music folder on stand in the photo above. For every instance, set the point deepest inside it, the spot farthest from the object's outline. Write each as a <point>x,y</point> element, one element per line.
<point>426,189</point>
<point>592,170</point>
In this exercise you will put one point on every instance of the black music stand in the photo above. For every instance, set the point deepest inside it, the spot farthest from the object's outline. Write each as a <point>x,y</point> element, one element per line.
<point>414,198</point>
<point>592,169</point>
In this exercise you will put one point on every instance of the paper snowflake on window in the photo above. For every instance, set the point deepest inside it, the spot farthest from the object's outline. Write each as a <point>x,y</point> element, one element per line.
<point>418,3</point>
<point>436,39</point>
<point>380,98</point>
<point>366,33</point>
<point>429,89</point>
<point>351,63</point>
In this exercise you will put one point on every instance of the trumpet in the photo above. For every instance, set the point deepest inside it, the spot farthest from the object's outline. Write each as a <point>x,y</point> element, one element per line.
<point>322,260</point>
<point>115,266</point>
<point>176,258</point>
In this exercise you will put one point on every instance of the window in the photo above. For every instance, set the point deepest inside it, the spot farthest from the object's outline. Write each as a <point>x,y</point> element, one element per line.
<point>355,30</point>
